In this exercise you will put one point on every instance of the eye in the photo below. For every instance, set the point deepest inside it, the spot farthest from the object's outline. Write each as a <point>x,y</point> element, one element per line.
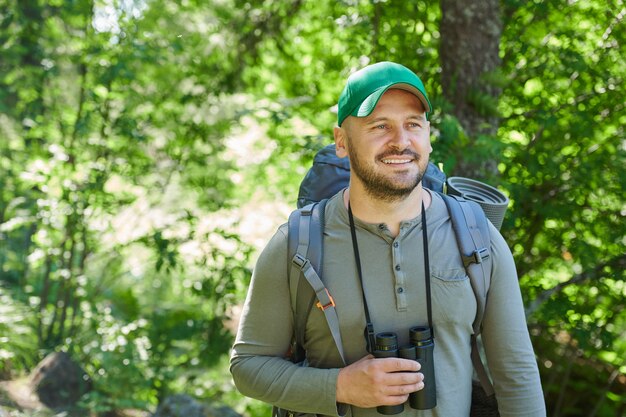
<point>381,127</point>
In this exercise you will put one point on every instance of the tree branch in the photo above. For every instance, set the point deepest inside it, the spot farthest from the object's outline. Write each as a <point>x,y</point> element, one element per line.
<point>605,391</point>
<point>618,262</point>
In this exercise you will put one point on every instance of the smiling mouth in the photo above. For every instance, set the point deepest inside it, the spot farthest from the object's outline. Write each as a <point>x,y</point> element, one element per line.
<point>399,158</point>
<point>396,161</point>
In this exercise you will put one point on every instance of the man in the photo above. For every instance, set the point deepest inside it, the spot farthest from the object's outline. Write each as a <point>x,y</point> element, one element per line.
<point>384,130</point>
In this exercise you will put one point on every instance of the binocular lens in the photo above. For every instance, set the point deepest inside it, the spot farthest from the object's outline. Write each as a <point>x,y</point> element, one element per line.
<point>420,335</point>
<point>386,341</point>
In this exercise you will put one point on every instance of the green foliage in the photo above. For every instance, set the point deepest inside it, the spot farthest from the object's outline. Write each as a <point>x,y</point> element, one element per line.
<point>18,346</point>
<point>563,132</point>
<point>112,158</point>
<point>133,134</point>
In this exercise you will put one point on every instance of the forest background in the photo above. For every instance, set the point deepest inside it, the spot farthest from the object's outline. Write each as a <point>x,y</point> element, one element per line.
<point>148,148</point>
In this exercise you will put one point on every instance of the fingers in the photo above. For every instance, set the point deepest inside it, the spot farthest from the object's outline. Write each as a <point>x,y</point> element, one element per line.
<point>401,383</point>
<point>403,378</point>
<point>398,394</point>
<point>371,382</point>
<point>399,365</point>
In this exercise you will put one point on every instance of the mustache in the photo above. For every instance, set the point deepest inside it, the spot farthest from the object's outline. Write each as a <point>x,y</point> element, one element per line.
<point>406,152</point>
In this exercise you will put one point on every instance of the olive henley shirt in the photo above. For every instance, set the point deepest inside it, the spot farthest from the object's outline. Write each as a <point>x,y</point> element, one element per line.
<point>394,284</point>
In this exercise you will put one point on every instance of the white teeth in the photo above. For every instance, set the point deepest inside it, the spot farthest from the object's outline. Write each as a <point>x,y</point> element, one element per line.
<point>396,161</point>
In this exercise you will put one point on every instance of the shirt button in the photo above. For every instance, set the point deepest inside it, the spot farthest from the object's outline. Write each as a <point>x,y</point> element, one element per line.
<point>400,290</point>
<point>396,244</point>
<point>381,226</point>
<point>397,267</point>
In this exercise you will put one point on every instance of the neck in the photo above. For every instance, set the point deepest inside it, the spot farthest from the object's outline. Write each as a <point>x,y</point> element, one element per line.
<point>392,213</point>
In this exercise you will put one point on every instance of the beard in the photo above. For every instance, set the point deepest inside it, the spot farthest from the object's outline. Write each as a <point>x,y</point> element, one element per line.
<point>386,187</point>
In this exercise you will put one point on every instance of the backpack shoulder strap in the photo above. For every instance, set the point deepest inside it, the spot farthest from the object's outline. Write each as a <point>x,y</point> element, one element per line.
<point>472,234</point>
<point>306,242</point>
<point>471,229</point>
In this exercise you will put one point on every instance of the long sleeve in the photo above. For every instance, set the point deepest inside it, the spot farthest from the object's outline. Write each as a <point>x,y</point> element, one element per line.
<point>258,363</point>
<point>510,355</point>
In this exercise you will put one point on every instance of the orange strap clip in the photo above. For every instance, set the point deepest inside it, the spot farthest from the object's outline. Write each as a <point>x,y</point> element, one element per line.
<point>331,304</point>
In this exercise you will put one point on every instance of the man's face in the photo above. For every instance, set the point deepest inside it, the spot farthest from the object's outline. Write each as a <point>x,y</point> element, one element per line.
<point>388,149</point>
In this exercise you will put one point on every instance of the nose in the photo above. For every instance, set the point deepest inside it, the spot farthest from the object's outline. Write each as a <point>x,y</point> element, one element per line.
<point>400,139</point>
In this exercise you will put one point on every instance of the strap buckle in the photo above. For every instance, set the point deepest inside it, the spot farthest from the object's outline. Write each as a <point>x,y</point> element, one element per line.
<point>299,260</point>
<point>330,304</point>
<point>477,257</point>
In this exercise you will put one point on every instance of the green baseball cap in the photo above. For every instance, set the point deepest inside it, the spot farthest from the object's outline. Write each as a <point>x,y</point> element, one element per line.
<point>366,86</point>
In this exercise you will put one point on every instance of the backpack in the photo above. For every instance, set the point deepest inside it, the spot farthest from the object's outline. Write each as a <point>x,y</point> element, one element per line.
<point>330,174</point>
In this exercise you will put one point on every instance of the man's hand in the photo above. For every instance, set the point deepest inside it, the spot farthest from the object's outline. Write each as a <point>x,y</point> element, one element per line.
<point>371,382</point>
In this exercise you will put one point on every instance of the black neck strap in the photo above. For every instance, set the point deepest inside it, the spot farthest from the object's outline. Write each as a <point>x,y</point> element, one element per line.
<point>369,328</point>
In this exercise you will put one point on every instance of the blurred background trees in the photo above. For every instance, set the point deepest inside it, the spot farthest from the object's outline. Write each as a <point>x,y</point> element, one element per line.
<point>148,148</point>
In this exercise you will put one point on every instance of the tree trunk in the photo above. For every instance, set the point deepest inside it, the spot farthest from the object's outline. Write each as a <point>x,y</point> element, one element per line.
<point>470,42</point>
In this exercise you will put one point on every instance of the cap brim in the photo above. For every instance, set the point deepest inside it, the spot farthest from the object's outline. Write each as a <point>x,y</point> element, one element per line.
<point>369,104</point>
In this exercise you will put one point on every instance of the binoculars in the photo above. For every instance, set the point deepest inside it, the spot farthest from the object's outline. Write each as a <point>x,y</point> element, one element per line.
<point>420,349</point>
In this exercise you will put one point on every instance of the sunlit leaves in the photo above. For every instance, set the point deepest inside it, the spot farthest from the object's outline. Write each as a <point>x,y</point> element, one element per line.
<point>112,129</point>
<point>16,337</point>
<point>565,151</point>
<point>129,131</point>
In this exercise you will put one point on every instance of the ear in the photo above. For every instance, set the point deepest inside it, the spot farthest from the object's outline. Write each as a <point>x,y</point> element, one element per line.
<point>340,142</point>
<point>430,143</point>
